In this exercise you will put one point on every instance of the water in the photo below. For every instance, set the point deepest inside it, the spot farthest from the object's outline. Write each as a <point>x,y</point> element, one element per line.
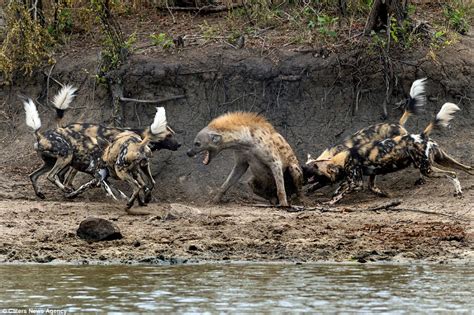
<point>242,288</point>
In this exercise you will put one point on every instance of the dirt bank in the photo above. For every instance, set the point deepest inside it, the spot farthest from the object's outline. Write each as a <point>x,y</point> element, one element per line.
<point>429,225</point>
<point>314,100</point>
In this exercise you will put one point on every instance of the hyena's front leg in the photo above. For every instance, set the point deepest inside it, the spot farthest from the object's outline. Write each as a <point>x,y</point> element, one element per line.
<point>277,172</point>
<point>237,172</point>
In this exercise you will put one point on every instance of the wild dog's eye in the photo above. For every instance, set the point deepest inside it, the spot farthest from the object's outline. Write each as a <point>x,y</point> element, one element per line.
<point>168,135</point>
<point>197,144</point>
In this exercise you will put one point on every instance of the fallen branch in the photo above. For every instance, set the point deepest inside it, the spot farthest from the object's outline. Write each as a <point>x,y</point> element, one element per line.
<point>291,208</point>
<point>384,206</point>
<point>160,100</point>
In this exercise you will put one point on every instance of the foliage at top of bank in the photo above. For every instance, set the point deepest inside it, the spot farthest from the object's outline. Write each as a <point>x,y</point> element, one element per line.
<point>35,30</point>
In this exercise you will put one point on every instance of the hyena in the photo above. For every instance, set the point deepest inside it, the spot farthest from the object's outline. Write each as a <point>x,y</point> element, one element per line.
<point>413,104</point>
<point>257,146</point>
<point>127,158</point>
<point>391,155</point>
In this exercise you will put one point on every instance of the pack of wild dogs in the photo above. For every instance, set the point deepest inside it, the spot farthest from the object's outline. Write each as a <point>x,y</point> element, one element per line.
<point>125,153</point>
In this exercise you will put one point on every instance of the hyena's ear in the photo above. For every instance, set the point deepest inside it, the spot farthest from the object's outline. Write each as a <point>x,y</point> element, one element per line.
<point>216,138</point>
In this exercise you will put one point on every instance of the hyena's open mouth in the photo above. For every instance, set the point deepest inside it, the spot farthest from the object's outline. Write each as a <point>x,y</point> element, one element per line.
<point>206,159</point>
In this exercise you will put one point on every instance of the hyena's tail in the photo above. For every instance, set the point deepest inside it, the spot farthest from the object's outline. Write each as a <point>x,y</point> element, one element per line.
<point>62,101</point>
<point>158,128</point>
<point>32,116</point>
<point>416,100</point>
<point>442,119</point>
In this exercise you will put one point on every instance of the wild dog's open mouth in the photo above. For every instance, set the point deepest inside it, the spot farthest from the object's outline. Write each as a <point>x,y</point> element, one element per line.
<point>206,159</point>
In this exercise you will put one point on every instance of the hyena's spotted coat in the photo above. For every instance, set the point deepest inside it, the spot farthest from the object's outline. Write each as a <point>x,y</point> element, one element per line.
<point>258,147</point>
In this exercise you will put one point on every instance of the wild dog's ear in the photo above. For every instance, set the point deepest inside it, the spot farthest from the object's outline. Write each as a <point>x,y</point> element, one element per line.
<point>216,138</point>
<point>332,169</point>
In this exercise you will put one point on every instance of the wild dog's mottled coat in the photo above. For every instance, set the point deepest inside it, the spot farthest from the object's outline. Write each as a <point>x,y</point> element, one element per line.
<point>416,100</point>
<point>390,155</point>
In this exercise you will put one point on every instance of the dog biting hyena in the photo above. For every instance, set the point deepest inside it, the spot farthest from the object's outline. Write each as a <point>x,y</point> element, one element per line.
<point>415,101</point>
<point>391,155</point>
<point>257,146</point>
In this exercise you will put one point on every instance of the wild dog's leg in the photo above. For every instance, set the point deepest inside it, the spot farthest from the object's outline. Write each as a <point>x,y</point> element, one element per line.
<point>277,172</point>
<point>145,171</point>
<point>138,175</point>
<point>71,173</point>
<point>444,159</point>
<point>435,172</point>
<point>343,189</point>
<point>126,176</point>
<point>373,188</point>
<point>47,166</point>
<point>239,169</point>
<point>60,164</point>
<point>352,182</point>
<point>92,183</point>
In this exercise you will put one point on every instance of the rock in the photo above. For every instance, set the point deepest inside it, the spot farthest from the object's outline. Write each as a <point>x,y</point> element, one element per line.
<point>97,229</point>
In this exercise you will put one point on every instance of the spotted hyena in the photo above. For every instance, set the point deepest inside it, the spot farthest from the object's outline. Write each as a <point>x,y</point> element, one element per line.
<point>257,146</point>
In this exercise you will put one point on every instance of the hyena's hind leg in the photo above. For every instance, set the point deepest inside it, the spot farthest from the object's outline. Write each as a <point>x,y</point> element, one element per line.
<point>48,164</point>
<point>296,174</point>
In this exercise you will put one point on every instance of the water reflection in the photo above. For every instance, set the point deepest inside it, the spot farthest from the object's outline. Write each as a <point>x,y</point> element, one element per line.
<point>243,288</point>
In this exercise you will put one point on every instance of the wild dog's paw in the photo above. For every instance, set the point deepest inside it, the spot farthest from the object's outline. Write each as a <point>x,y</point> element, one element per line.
<point>458,194</point>
<point>217,199</point>
<point>420,181</point>
<point>70,195</point>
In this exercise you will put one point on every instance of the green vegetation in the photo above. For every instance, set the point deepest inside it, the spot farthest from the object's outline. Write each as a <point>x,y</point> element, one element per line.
<point>30,39</point>
<point>162,40</point>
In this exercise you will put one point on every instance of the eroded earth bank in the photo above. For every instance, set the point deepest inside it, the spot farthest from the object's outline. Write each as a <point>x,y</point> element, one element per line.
<point>313,98</point>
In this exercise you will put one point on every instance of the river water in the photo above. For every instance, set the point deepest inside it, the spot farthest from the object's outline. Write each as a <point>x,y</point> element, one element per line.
<point>242,288</point>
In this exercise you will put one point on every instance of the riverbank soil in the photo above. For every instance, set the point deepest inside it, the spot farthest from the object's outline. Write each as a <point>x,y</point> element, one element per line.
<point>314,96</point>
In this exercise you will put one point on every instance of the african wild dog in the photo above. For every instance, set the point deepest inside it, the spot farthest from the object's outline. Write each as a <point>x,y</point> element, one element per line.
<point>74,147</point>
<point>54,146</point>
<point>108,134</point>
<point>258,146</point>
<point>415,101</point>
<point>127,158</point>
<point>391,155</point>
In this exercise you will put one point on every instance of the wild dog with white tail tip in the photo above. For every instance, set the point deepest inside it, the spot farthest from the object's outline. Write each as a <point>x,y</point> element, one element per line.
<point>127,158</point>
<point>54,144</point>
<point>257,146</point>
<point>391,155</point>
<point>415,101</point>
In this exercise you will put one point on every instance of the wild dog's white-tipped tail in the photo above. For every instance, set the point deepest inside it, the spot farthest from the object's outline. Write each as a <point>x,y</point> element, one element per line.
<point>446,114</point>
<point>416,100</point>
<point>32,117</point>
<point>63,99</point>
<point>159,123</point>
<point>417,95</point>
